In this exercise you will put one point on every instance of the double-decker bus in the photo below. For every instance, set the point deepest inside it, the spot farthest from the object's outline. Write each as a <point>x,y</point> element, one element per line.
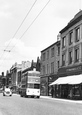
<point>30,84</point>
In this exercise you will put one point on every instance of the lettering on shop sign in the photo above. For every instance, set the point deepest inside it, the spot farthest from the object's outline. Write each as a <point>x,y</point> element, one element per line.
<point>73,69</point>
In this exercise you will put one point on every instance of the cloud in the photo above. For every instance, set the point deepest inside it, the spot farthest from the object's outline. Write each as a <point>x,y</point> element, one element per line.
<point>21,52</point>
<point>5,11</point>
<point>5,14</point>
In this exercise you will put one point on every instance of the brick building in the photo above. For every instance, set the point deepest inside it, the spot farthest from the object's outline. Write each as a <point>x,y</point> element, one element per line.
<point>50,57</point>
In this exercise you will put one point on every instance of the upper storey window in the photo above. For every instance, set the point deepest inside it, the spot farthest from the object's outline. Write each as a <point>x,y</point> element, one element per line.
<point>44,56</point>
<point>70,38</point>
<point>52,67</point>
<point>52,52</point>
<point>77,31</point>
<point>77,55</point>
<point>70,57</point>
<point>63,59</point>
<point>58,50</point>
<point>63,42</point>
<point>48,54</point>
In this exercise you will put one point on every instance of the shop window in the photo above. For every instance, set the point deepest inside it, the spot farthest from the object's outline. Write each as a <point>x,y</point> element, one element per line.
<point>76,90</point>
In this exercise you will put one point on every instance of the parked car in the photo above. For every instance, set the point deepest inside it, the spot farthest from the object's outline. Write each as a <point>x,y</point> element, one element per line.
<point>7,92</point>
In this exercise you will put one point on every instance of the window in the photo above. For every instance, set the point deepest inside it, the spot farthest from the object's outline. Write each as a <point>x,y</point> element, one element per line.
<point>44,56</point>
<point>63,42</point>
<point>58,50</point>
<point>48,54</point>
<point>77,55</point>
<point>23,86</point>
<point>70,38</point>
<point>52,67</point>
<point>30,85</point>
<point>63,59</point>
<point>52,52</point>
<point>44,69</point>
<point>70,57</point>
<point>58,64</point>
<point>47,68</point>
<point>34,86</point>
<point>77,34</point>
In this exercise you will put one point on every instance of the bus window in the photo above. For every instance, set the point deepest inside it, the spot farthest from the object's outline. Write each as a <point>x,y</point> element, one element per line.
<point>34,86</point>
<point>30,85</point>
<point>37,86</point>
<point>23,86</point>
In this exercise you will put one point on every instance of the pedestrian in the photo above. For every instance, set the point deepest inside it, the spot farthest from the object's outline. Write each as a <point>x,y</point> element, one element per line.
<point>52,91</point>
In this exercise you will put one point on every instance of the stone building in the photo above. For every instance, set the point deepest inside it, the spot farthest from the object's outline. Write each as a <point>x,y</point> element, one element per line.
<point>14,70</point>
<point>49,66</point>
<point>69,83</point>
<point>71,47</point>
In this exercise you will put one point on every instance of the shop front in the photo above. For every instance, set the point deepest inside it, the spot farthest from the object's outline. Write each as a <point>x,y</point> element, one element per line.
<point>45,87</point>
<point>69,83</point>
<point>68,91</point>
<point>51,79</point>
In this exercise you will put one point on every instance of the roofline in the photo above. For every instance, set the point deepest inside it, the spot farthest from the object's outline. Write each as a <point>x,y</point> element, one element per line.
<point>71,23</point>
<point>51,46</point>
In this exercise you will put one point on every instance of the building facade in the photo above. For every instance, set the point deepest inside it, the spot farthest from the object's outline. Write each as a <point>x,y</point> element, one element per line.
<point>71,47</point>
<point>70,60</point>
<point>49,66</point>
<point>14,70</point>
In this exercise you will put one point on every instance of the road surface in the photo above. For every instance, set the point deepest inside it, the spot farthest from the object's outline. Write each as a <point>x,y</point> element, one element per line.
<point>17,105</point>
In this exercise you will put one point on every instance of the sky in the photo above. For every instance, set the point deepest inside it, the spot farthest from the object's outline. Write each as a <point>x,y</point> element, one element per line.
<point>38,31</point>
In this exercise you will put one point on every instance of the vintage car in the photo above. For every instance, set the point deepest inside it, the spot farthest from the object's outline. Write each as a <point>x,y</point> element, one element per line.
<point>7,92</point>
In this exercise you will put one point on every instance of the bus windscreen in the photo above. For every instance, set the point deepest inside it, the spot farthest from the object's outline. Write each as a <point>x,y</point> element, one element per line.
<point>34,86</point>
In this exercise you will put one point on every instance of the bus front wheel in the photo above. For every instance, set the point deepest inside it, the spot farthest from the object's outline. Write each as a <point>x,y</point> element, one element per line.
<point>38,97</point>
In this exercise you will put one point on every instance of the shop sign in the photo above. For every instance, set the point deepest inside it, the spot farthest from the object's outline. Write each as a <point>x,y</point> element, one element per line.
<point>74,69</point>
<point>70,69</point>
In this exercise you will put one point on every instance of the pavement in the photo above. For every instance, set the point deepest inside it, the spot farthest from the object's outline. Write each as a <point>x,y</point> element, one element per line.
<point>60,99</point>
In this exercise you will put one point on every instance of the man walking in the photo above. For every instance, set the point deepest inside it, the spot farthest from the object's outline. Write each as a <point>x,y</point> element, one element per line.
<point>52,92</point>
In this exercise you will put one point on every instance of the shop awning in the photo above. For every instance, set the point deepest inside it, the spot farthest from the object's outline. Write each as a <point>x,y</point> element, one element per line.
<point>75,79</point>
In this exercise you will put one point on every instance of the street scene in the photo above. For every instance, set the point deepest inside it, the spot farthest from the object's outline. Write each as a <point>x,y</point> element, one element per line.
<point>40,57</point>
<point>17,105</point>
